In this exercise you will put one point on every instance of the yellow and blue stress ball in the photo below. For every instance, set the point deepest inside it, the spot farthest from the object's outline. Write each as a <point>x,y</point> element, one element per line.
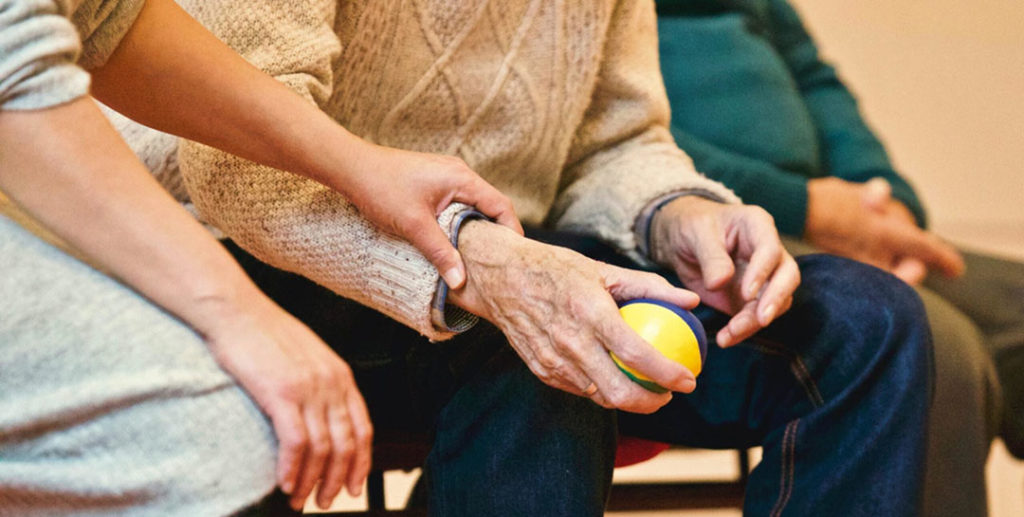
<point>672,330</point>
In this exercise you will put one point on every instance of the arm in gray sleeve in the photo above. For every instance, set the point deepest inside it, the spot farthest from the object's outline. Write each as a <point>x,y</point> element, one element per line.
<point>38,50</point>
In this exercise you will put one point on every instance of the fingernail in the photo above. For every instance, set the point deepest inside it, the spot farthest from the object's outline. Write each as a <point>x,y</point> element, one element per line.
<point>689,385</point>
<point>287,487</point>
<point>768,313</point>
<point>723,339</point>
<point>453,277</point>
<point>752,290</point>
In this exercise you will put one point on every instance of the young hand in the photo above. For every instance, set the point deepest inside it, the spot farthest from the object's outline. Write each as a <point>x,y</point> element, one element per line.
<point>308,392</point>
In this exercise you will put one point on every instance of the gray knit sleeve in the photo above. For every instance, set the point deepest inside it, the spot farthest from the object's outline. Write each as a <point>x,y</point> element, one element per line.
<point>38,50</point>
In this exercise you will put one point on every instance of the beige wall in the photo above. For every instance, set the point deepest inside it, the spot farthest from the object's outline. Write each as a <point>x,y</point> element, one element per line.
<point>942,81</point>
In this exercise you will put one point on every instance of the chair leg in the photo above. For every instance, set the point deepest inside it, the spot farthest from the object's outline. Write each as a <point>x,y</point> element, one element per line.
<point>375,490</point>
<point>744,464</point>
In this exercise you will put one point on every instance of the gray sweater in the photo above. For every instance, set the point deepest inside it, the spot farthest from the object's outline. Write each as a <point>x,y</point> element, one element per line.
<point>108,405</point>
<point>45,44</point>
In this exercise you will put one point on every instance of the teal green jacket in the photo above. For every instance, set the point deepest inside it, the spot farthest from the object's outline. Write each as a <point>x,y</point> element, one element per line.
<point>757,108</point>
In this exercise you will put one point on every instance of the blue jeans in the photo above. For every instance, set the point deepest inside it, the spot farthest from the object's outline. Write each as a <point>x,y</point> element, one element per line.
<point>836,391</point>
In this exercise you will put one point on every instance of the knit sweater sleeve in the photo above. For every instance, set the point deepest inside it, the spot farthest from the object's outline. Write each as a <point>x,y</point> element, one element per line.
<point>41,50</point>
<point>623,157</point>
<point>850,148</point>
<point>291,222</point>
<point>38,50</point>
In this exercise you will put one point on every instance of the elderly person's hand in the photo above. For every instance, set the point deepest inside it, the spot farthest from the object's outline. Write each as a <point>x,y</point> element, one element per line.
<point>731,256</point>
<point>558,310</point>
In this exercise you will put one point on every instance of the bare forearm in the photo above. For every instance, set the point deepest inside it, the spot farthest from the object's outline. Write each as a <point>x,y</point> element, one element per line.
<point>67,167</point>
<point>171,74</point>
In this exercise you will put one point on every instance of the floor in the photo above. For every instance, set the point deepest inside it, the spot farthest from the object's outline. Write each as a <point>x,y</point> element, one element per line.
<point>1005,474</point>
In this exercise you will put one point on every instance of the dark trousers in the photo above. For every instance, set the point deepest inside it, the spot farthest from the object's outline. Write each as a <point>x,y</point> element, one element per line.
<point>836,391</point>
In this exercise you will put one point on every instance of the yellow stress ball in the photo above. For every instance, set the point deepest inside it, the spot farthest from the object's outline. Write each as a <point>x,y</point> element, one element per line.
<point>673,331</point>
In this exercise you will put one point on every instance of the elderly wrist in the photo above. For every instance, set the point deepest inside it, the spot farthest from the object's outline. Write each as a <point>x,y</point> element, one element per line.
<point>664,223</point>
<point>489,251</point>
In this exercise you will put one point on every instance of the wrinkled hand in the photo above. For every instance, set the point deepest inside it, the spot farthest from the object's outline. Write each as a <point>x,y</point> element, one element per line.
<point>557,308</point>
<point>403,192</point>
<point>306,390</point>
<point>864,222</point>
<point>731,256</point>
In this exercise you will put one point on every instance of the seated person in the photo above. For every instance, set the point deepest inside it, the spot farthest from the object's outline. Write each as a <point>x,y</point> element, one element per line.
<point>756,108</point>
<point>561,107</point>
<point>111,405</point>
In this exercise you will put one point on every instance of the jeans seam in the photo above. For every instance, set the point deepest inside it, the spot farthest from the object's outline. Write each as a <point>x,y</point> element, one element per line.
<point>788,467</point>
<point>797,367</point>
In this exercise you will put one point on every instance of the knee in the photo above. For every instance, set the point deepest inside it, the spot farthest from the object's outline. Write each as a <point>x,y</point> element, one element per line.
<point>876,321</point>
<point>965,382</point>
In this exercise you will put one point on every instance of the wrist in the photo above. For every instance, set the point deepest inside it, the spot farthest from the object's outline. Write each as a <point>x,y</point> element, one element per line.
<point>225,303</point>
<point>665,222</point>
<point>819,216</point>
<point>333,156</point>
<point>487,250</point>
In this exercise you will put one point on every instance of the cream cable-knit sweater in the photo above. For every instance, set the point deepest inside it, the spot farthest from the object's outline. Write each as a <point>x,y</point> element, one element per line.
<point>559,104</point>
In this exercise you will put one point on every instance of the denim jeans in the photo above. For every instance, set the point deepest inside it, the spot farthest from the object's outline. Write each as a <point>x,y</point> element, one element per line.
<point>836,391</point>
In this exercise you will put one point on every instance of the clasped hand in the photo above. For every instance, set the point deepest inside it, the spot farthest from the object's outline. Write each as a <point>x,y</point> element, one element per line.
<point>863,222</point>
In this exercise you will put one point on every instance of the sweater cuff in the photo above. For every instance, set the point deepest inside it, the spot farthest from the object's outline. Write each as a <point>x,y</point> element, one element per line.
<point>642,228</point>
<point>446,317</point>
<point>38,49</point>
<point>103,27</point>
<point>58,84</point>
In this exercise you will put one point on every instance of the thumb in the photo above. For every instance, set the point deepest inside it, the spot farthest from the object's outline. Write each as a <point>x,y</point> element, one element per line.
<point>910,270</point>
<point>876,193</point>
<point>435,247</point>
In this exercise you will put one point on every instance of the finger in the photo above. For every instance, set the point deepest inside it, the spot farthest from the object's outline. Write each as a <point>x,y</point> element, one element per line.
<point>876,194</point>
<point>625,285</point>
<point>716,265</point>
<point>316,458</point>
<point>910,270</point>
<point>741,326</point>
<point>342,450</point>
<point>783,283</point>
<point>491,202</point>
<point>767,256</point>
<point>617,391</point>
<point>570,378</point>
<point>924,246</point>
<point>362,431</point>
<point>633,351</point>
<point>577,361</point>
<point>435,246</point>
<point>292,440</point>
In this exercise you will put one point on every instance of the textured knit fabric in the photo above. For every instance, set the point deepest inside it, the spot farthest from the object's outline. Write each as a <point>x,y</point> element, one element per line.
<point>559,105</point>
<point>771,114</point>
<point>109,406</point>
<point>39,47</point>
